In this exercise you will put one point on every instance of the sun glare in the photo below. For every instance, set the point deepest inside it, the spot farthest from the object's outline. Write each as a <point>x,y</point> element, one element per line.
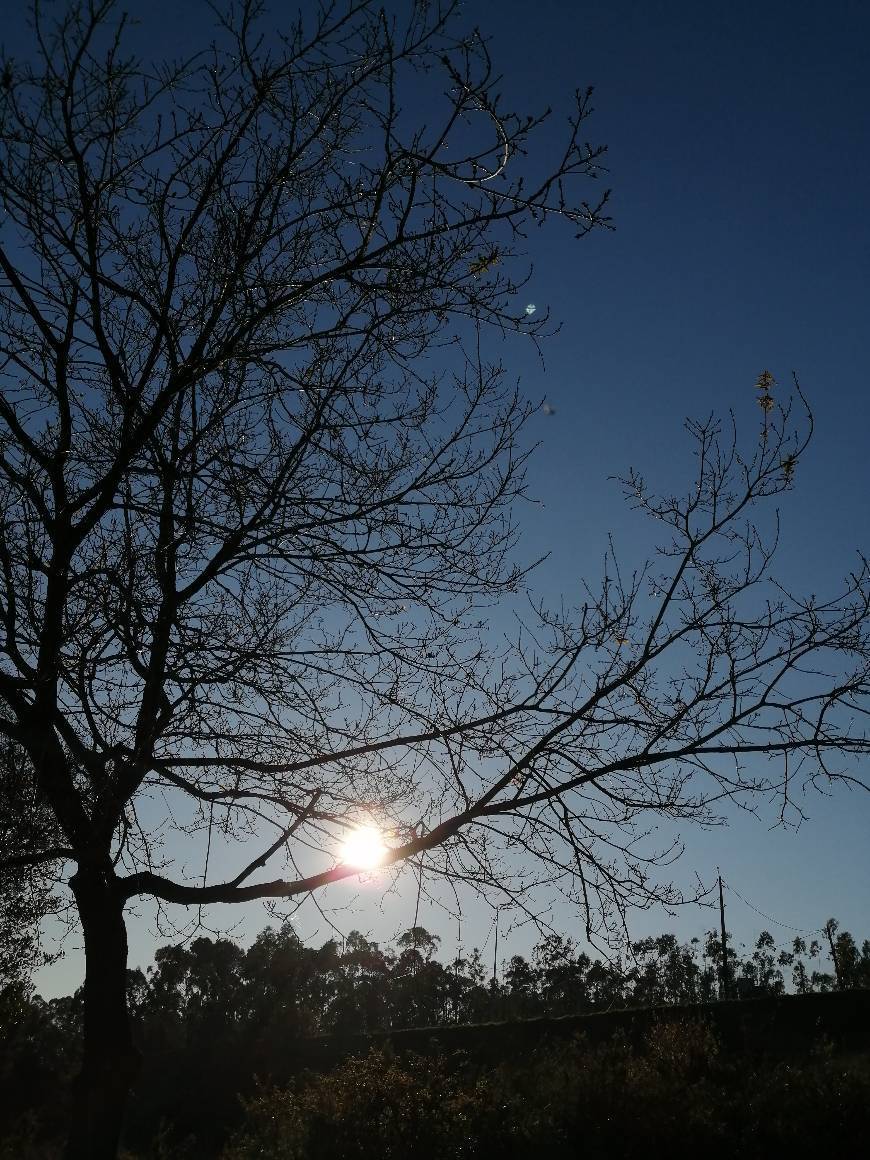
<point>363,848</point>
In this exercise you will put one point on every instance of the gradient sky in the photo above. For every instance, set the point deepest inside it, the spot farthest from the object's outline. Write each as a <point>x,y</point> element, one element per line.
<point>738,156</point>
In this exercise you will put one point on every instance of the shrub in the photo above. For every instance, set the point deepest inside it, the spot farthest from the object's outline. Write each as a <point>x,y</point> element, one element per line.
<point>674,1093</point>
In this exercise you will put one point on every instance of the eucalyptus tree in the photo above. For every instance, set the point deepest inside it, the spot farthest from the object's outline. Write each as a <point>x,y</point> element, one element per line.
<point>258,483</point>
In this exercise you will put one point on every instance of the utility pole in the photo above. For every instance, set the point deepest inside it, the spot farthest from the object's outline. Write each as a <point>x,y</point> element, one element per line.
<point>495,953</point>
<point>724,989</point>
<point>494,985</point>
<point>457,988</point>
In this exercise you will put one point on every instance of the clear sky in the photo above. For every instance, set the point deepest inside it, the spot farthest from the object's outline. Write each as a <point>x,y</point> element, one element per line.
<point>738,155</point>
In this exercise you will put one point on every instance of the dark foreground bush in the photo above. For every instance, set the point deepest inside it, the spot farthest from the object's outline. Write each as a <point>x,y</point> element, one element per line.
<point>675,1093</point>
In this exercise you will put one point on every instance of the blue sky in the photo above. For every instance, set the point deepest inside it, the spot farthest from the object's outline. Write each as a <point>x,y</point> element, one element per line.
<point>740,171</point>
<point>737,156</point>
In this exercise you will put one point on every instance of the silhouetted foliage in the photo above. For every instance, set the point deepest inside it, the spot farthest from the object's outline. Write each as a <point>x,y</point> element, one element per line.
<point>28,834</point>
<point>675,1095</point>
<point>210,1015</point>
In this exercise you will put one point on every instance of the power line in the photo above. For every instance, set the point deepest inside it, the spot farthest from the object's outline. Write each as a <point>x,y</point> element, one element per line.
<point>769,918</point>
<point>488,935</point>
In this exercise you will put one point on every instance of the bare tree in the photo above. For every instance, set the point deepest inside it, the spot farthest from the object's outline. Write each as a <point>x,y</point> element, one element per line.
<point>257,482</point>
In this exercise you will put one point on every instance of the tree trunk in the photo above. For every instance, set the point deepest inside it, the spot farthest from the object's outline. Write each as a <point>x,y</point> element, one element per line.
<point>110,1061</point>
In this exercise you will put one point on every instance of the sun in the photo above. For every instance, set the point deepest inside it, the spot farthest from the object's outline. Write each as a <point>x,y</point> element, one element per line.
<point>363,848</point>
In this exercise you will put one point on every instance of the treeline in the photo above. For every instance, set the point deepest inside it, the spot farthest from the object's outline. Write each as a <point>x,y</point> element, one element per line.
<point>356,986</point>
<point>211,1015</point>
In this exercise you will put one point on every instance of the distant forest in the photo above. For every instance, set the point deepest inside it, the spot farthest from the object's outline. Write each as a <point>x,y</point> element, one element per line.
<point>211,1015</point>
<point>213,990</point>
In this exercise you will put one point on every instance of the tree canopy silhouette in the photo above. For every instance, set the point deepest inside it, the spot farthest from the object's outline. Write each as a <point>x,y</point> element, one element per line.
<point>257,481</point>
